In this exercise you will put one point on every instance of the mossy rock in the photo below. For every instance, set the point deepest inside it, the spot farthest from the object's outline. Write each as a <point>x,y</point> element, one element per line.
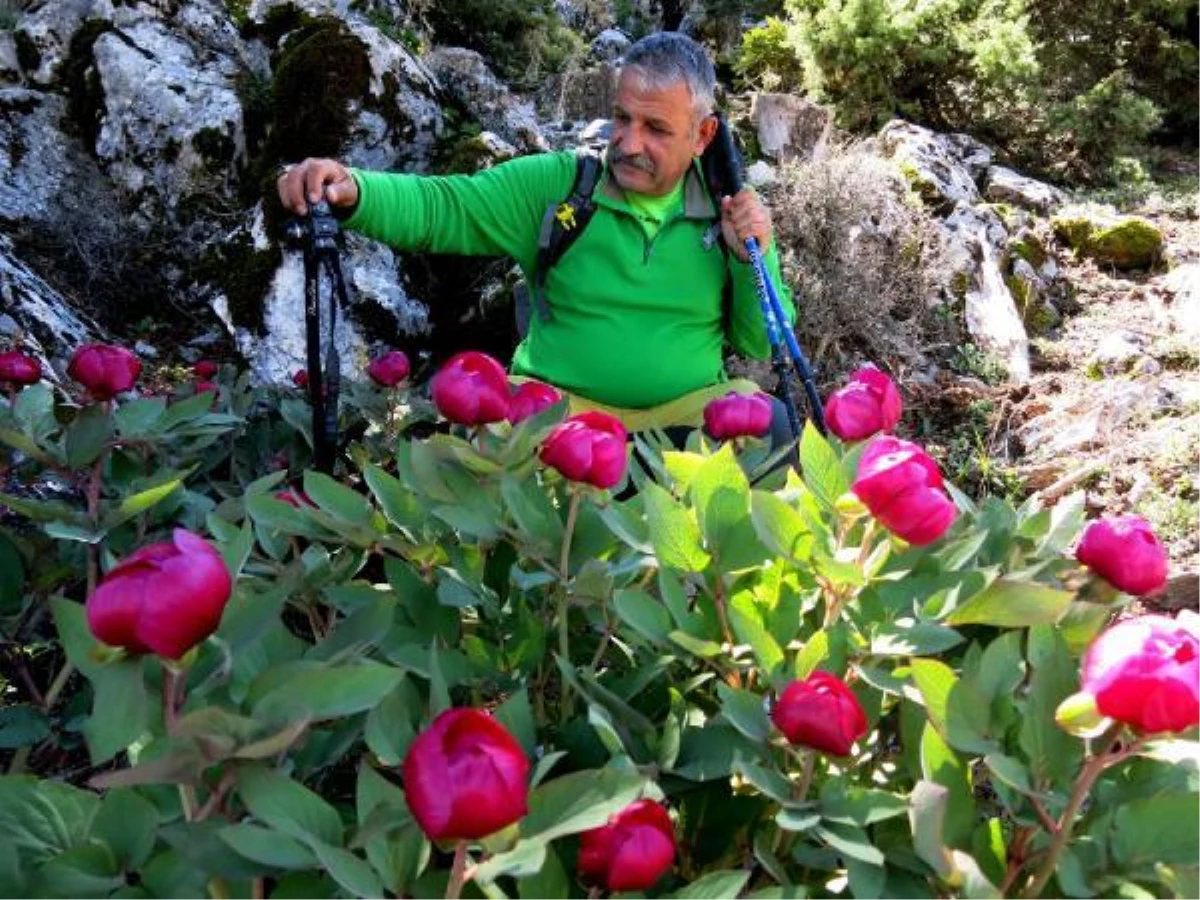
<point>1126,242</point>
<point>1027,247</point>
<point>323,71</point>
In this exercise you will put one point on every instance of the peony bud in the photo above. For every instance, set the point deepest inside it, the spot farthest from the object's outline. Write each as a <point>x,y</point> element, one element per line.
<point>902,487</point>
<point>300,378</point>
<point>104,370</point>
<point>19,368</point>
<point>632,851</point>
<point>471,389</point>
<point>738,415</point>
<point>589,448</point>
<point>1125,552</point>
<point>164,599</point>
<point>1145,672</point>
<point>465,777</point>
<point>868,403</point>
<point>820,712</point>
<point>294,497</point>
<point>205,369</point>
<point>390,369</point>
<point>529,399</point>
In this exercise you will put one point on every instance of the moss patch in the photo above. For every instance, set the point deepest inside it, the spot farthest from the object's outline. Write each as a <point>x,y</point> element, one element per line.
<point>243,274</point>
<point>322,70</point>
<point>1127,242</point>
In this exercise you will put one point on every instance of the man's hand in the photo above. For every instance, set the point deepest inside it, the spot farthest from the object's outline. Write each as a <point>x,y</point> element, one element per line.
<point>743,216</point>
<point>308,181</point>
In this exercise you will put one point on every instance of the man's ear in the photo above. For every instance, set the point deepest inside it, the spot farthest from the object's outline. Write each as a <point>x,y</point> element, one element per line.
<point>707,131</point>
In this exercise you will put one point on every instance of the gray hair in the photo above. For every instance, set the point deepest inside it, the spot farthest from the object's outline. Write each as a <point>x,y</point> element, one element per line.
<point>668,57</point>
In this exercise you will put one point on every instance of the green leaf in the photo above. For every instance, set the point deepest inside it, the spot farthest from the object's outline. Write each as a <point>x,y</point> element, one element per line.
<point>324,692</point>
<point>927,815</point>
<point>1008,603</point>
<point>551,880</point>
<point>164,485</point>
<point>1054,755</point>
<point>127,823</point>
<point>852,805</point>
<point>850,841</point>
<point>747,624</point>
<point>139,417</point>
<point>673,532</point>
<point>744,711</point>
<point>579,801</point>
<point>821,467</point>
<point>942,765</point>
<point>1157,830</point>
<point>781,527</point>
<point>339,501</point>
<point>22,725</point>
<point>531,510</point>
<point>350,871</point>
<point>525,858</point>
<point>42,818</point>
<point>906,637</point>
<point>399,504</point>
<point>798,820</point>
<point>815,652</point>
<point>935,680</point>
<point>288,806</point>
<point>88,870</point>
<point>121,709</point>
<point>267,846</point>
<point>644,613</point>
<point>516,714</point>
<point>721,494</point>
<point>1066,521</point>
<point>714,886</point>
<point>88,435</point>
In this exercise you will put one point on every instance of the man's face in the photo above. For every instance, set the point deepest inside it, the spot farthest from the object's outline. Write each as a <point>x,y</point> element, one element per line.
<point>655,135</point>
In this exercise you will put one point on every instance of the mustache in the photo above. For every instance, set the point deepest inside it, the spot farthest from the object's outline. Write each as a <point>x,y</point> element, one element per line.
<point>632,159</point>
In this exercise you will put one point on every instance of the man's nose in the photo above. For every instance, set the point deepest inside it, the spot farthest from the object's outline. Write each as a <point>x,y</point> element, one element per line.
<point>628,140</point>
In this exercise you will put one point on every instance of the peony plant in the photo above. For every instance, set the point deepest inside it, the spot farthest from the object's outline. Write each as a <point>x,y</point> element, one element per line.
<point>460,665</point>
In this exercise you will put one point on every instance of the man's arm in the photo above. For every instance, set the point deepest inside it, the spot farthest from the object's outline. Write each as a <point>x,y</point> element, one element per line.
<point>496,212</point>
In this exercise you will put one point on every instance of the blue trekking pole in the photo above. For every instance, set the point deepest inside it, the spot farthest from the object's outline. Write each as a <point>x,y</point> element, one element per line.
<point>724,166</point>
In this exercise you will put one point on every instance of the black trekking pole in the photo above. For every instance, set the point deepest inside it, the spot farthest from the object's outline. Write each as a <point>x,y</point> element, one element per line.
<point>726,168</point>
<point>316,234</point>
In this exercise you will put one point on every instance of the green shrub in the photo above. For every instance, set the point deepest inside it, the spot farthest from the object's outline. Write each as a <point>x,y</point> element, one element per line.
<point>523,40</point>
<point>766,59</point>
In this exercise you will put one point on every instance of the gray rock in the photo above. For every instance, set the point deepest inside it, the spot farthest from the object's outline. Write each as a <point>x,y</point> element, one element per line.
<point>610,45</point>
<point>40,311</point>
<point>10,67</point>
<point>49,185</point>
<point>1006,186</point>
<point>172,116</point>
<point>465,75</point>
<point>789,127</point>
<point>940,167</point>
<point>47,30</point>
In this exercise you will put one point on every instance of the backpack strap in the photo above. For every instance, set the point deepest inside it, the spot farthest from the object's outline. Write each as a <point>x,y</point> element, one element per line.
<point>563,223</point>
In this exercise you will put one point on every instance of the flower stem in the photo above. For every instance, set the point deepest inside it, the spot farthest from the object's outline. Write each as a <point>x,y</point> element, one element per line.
<point>458,872</point>
<point>806,775</point>
<point>564,601</point>
<point>1083,784</point>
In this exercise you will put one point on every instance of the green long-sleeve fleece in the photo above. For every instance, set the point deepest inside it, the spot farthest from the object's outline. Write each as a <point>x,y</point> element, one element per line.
<point>635,322</point>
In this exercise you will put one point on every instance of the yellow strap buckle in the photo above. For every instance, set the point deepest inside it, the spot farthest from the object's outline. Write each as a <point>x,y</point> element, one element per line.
<point>565,215</point>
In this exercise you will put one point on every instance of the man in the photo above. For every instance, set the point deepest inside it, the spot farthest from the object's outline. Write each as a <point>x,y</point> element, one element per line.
<point>636,312</point>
